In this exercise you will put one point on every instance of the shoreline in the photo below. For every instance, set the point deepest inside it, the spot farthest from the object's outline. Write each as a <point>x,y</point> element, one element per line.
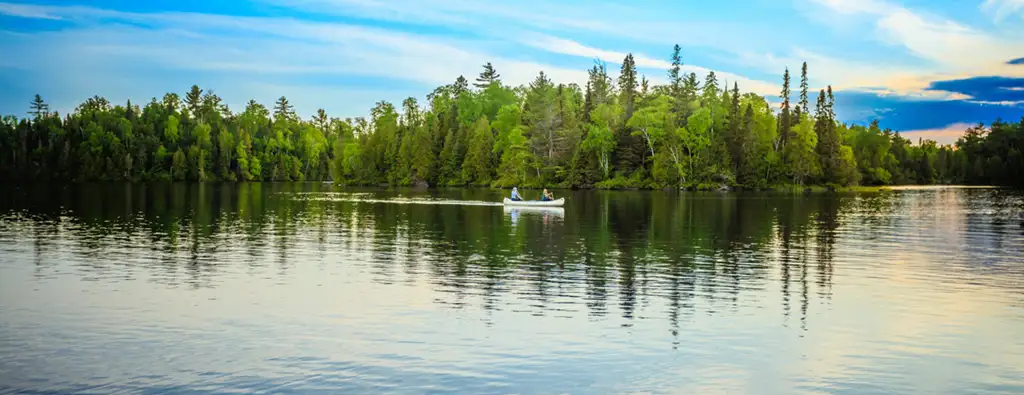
<point>721,189</point>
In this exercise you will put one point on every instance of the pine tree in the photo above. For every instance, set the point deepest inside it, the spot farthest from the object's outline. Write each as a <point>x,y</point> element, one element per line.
<point>172,102</point>
<point>675,79</point>
<point>461,86</point>
<point>690,87</point>
<point>487,76</point>
<point>600,86</point>
<point>283,109</point>
<point>803,91</point>
<point>828,148</point>
<point>734,107</point>
<point>785,123</point>
<point>710,93</point>
<point>735,133</point>
<point>194,100</point>
<point>631,151</point>
<point>320,121</point>
<point>39,107</point>
<point>745,173</point>
<point>628,85</point>
<point>829,105</point>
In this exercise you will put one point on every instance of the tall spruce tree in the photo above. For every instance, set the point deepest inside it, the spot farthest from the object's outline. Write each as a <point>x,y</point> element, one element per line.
<point>785,123</point>
<point>461,86</point>
<point>628,85</point>
<point>283,109</point>
<point>39,108</point>
<point>675,78</point>
<point>487,76</point>
<point>631,152</point>
<point>828,147</point>
<point>194,100</point>
<point>803,109</point>
<point>675,82</point>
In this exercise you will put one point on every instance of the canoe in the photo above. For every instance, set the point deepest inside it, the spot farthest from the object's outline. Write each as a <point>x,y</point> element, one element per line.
<point>535,203</point>
<point>555,211</point>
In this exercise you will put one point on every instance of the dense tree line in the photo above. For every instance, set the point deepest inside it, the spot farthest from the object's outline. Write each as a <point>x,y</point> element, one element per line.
<point>609,133</point>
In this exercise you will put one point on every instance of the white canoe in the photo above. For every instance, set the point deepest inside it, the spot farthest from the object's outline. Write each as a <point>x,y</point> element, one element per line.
<point>535,203</point>
<point>555,211</point>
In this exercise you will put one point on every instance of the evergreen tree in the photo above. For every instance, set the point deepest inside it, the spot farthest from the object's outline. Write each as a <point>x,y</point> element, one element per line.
<point>803,91</point>
<point>460,87</point>
<point>829,146</point>
<point>628,85</point>
<point>690,88</point>
<point>172,102</point>
<point>194,100</point>
<point>39,108</point>
<point>487,77</point>
<point>636,135</point>
<point>283,110</point>
<point>320,120</point>
<point>675,78</point>
<point>785,123</point>
<point>599,86</point>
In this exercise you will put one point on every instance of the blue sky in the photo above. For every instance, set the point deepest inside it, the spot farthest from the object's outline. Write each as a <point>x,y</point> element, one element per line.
<point>925,67</point>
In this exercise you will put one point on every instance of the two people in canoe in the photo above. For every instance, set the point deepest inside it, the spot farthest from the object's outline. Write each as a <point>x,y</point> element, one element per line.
<point>544,197</point>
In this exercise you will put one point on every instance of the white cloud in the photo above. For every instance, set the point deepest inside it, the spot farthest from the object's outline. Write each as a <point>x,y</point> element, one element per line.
<point>1001,9</point>
<point>1008,103</point>
<point>570,47</point>
<point>524,21</point>
<point>953,50</point>
<point>944,135</point>
<point>951,46</point>
<point>480,15</point>
<point>947,43</point>
<point>294,46</point>
<point>261,49</point>
<point>25,11</point>
<point>856,6</point>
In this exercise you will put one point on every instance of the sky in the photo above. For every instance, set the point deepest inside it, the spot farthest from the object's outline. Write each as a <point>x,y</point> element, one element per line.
<point>927,68</point>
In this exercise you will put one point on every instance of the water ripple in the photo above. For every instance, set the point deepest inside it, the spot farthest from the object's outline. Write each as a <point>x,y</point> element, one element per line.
<point>299,288</point>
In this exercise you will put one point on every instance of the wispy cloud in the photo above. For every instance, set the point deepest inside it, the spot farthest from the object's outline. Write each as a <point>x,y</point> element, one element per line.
<point>944,135</point>
<point>952,50</point>
<point>25,11</point>
<point>541,25</point>
<point>255,46</point>
<point>1001,9</point>
<point>886,55</point>
<point>287,45</point>
<point>950,45</point>
<point>570,47</point>
<point>514,16</point>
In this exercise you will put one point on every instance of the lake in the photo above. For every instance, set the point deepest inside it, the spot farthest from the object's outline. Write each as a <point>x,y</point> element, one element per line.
<point>311,288</point>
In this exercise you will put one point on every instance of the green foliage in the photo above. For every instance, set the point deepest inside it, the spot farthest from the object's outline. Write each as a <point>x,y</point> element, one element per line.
<point>620,133</point>
<point>476,168</point>
<point>801,160</point>
<point>600,138</point>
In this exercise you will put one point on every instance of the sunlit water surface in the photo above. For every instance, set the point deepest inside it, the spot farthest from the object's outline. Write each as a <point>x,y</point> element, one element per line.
<point>307,288</point>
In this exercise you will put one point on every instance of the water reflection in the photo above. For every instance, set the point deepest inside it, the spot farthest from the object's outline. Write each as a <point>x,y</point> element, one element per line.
<point>631,246</point>
<point>644,262</point>
<point>548,214</point>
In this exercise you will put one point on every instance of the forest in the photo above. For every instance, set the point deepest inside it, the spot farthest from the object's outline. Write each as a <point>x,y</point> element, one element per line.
<point>611,133</point>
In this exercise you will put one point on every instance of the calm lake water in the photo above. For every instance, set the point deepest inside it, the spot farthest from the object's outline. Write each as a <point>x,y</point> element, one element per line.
<point>307,288</point>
